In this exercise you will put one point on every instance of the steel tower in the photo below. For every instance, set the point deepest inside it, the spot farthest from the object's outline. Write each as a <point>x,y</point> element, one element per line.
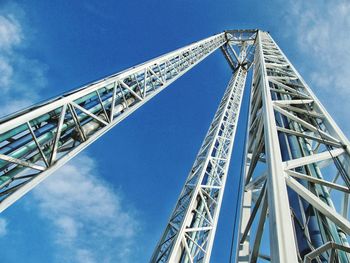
<point>294,191</point>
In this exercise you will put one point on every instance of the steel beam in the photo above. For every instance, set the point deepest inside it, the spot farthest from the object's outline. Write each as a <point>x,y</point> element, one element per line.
<point>190,231</point>
<point>45,136</point>
<point>301,141</point>
<point>293,145</point>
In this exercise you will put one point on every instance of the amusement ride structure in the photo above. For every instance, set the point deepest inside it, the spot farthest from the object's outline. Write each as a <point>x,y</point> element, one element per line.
<point>295,184</point>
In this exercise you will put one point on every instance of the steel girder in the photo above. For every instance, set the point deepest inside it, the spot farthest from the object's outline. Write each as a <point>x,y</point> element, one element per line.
<point>40,139</point>
<point>296,171</point>
<point>190,231</point>
<point>297,159</point>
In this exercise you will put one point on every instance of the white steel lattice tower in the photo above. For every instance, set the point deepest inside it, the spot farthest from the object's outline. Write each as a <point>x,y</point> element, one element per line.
<point>295,186</point>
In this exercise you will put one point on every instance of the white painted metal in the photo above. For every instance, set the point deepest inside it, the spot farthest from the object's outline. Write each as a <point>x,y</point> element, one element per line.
<point>279,95</point>
<point>319,204</point>
<point>282,249</point>
<point>328,246</point>
<point>64,126</point>
<point>189,234</point>
<point>38,140</point>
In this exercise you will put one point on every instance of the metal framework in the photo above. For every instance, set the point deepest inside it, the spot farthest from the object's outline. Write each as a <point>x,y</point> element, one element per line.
<point>189,234</point>
<point>296,183</point>
<point>38,140</point>
<point>297,169</point>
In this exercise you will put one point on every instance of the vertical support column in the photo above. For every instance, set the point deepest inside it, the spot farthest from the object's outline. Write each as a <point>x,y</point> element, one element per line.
<point>190,232</point>
<point>297,164</point>
<point>243,243</point>
<point>282,241</point>
<point>243,248</point>
<point>264,186</point>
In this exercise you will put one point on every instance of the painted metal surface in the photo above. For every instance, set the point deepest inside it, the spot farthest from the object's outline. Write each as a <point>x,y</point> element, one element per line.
<point>190,231</point>
<point>38,140</point>
<point>299,159</point>
<point>297,164</point>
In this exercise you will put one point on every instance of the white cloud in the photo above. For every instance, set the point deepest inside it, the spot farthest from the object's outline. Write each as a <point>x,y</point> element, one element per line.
<point>90,218</point>
<point>6,71</point>
<point>85,256</point>
<point>14,104</point>
<point>10,33</point>
<point>21,77</point>
<point>321,29</point>
<point>10,36</point>
<point>3,227</point>
<point>90,221</point>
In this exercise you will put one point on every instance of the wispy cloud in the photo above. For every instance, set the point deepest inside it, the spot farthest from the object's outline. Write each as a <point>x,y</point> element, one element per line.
<point>11,89</point>
<point>321,29</point>
<point>21,77</point>
<point>10,33</point>
<point>3,227</point>
<point>10,37</point>
<point>91,219</point>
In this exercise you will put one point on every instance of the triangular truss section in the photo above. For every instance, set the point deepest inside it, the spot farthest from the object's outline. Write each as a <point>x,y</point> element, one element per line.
<point>297,169</point>
<point>296,181</point>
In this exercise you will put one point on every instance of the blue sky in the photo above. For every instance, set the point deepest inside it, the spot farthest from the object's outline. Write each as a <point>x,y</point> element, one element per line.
<point>111,203</point>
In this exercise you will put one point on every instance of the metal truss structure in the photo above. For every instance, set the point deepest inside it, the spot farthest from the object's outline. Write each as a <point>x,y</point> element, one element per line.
<point>189,234</point>
<point>295,186</point>
<point>38,140</point>
<point>297,169</point>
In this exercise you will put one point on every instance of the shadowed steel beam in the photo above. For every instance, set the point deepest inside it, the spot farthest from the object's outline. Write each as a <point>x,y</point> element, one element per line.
<point>292,141</point>
<point>329,212</point>
<point>282,249</point>
<point>301,141</point>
